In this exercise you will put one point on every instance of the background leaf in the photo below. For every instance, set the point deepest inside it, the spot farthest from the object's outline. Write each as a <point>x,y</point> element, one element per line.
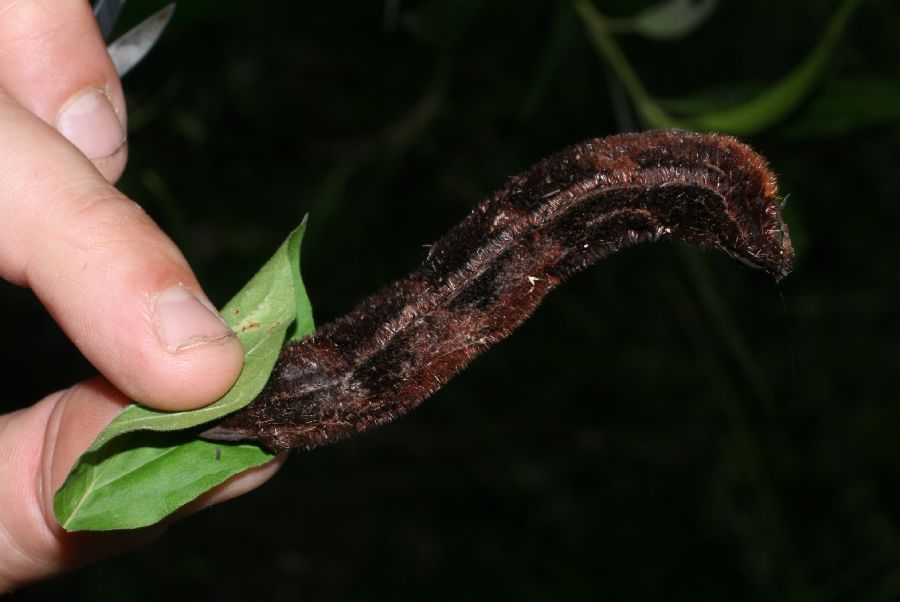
<point>442,23</point>
<point>776,102</point>
<point>843,106</point>
<point>672,19</point>
<point>131,478</point>
<point>757,114</point>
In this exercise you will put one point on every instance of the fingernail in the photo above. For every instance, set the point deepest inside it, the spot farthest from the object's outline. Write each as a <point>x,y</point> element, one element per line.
<point>182,320</point>
<point>91,123</point>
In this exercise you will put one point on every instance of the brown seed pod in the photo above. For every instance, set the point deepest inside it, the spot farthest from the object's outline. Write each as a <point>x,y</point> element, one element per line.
<point>487,275</point>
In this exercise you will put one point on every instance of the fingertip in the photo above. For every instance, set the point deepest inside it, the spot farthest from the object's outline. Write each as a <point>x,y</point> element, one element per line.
<point>113,166</point>
<point>115,283</point>
<point>92,121</point>
<point>54,62</point>
<point>201,357</point>
<point>191,377</point>
<point>183,319</point>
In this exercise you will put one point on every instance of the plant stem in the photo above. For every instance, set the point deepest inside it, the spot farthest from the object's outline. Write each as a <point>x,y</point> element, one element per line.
<point>602,38</point>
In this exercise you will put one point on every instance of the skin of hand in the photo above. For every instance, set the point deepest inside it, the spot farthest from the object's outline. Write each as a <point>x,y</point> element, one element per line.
<point>117,286</point>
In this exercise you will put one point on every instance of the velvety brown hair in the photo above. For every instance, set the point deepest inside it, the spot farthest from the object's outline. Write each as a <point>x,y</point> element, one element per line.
<point>487,275</point>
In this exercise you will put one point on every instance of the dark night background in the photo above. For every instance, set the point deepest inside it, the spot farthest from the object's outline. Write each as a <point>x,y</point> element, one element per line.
<point>669,426</point>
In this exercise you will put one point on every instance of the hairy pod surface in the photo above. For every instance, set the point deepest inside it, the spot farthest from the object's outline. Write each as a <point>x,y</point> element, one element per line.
<point>484,277</point>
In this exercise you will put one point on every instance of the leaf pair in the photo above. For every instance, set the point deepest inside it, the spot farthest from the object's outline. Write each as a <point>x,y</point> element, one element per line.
<point>143,467</point>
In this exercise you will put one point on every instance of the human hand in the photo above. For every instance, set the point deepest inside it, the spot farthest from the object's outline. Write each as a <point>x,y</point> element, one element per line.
<point>117,286</point>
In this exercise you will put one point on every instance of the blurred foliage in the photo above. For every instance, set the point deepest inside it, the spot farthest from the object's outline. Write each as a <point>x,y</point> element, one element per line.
<point>669,426</point>
<point>674,18</point>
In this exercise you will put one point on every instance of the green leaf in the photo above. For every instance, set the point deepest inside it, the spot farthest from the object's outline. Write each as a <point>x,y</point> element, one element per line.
<point>672,19</point>
<point>778,101</point>
<point>710,99</point>
<point>140,478</point>
<point>303,316</point>
<point>260,315</point>
<point>843,106</point>
<point>129,478</point>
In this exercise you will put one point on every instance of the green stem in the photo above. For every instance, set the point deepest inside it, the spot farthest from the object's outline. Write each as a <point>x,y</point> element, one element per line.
<point>601,36</point>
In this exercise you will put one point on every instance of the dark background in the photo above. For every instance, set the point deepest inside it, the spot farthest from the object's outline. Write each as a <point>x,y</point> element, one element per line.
<point>669,426</point>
